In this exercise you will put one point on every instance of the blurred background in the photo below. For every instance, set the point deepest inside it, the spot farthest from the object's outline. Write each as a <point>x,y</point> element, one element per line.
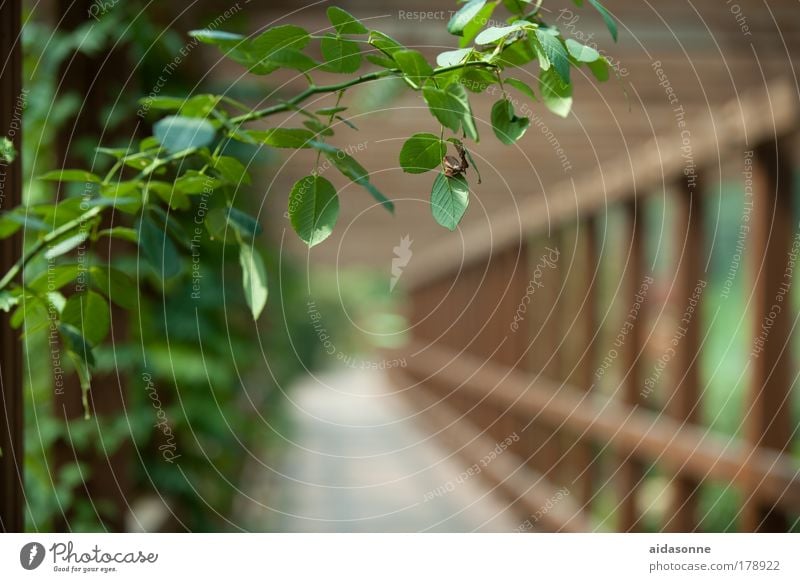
<point>577,356</point>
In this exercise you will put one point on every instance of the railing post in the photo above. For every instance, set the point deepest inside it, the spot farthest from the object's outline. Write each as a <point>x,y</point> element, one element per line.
<point>588,323</point>
<point>768,407</point>
<point>541,331</point>
<point>11,373</point>
<point>630,470</point>
<point>684,401</point>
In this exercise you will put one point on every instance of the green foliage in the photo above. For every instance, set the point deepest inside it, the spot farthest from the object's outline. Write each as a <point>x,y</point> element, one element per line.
<point>313,209</point>
<point>188,166</point>
<point>506,125</point>
<point>607,18</point>
<point>254,279</point>
<point>449,200</point>
<point>422,152</point>
<point>556,94</point>
<point>344,22</point>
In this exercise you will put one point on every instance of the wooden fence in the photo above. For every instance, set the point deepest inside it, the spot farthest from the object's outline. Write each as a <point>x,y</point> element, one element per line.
<point>505,342</point>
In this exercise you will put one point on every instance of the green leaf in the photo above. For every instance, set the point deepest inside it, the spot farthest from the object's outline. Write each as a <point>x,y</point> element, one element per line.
<point>120,189</point>
<point>522,87</point>
<point>158,249</point>
<point>254,279</point>
<point>556,94</point>
<point>341,55</point>
<point>199,105</point>
<point>55,277</point>
<point>7,151</point>
<point>422,152</point>
<point>313,209</point>
<point>318,128</point>
<point>459,95</point>
<point>450,58</point>
<point>193,182</point>
<point>464,16</point>
<point>472,164</point>
<point>12,221</point>
<point>219,220</point>
<point>288,58</point>
<point>476,80</point>
<point>120,232</point>
<point>350,168</point>
<point>177,133</point>
<point>451,107</point>
<point>519,54</point>
<point>516,6</point>
<point>414,66</point>
<point>347,122</point>
<point>581,52</point>
<point>7,301</point>
<point>344,22</point>
<point>71,176</point>
<point>381,61</point>
<point>555,51</point>
<point>506,125</point>
<point>76,344</point>
<point>379,196</point>
<point>163,103</point>
<point>172,194</point>
<point>116,285</point>
<point>474,26</point>
<point>449,200</point>
<point>270,42</point>
<point>88,313</point>
<point>281,137</point>
<point>231,170</point>
<point>215,36</point>
<point>599,69</point>
<point>66,245</point>
<point>331,110</point>
<point>384,43</point>
<point>611,24</point>
<point>494,33</point>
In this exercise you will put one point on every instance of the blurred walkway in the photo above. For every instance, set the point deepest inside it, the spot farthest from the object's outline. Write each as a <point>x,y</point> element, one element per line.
<point>360,463</point>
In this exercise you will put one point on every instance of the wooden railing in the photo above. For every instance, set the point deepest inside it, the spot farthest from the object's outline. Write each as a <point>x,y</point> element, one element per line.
<point>508,341</point>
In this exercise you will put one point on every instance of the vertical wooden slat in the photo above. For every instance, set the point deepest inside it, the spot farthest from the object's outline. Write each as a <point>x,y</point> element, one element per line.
<point>768,423</point>
<point>584,378</point>
<point>541,328</point>
<point>630,470</point>
<point>685,398</point>
<point>569,336</point>
<point>11,479</point>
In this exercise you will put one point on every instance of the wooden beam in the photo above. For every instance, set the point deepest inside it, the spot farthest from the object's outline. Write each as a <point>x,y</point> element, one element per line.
<point>11,371</point>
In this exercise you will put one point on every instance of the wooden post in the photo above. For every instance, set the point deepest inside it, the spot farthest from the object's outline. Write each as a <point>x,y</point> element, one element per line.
<point>630,470</point>
<point>11,476</point>
<point>684,401</point>
<point>768,419</point>
<point>585,373</point>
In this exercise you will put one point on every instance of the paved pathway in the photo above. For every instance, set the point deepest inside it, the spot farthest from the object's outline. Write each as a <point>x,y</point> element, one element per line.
<point>361,463</point>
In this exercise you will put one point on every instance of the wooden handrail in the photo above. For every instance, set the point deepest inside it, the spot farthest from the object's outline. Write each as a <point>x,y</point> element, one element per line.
<point>686,449</point>
<point>744,122</point>
<point>507,472</point>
